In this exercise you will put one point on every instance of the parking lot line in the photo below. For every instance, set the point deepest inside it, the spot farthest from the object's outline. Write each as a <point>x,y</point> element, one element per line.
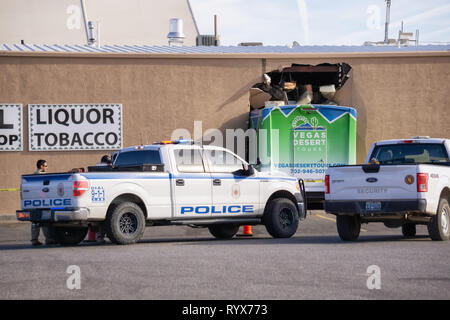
<point>326,218</point>
<point>334,220</point>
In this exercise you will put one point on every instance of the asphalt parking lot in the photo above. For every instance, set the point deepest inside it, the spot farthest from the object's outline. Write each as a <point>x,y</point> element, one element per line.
<point>184,263</point>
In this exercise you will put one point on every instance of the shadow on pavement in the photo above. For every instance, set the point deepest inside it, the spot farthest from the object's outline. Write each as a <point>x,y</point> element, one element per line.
<point>265,239</point>
<point>28,246</point>
<point>313,239</point>
<point>254,240</point>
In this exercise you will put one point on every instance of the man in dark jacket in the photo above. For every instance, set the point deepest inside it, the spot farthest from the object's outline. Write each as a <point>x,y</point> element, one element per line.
<point>35,227</point>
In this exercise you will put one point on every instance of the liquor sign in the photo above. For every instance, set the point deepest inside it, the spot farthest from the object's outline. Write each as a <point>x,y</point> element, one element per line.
<point>65,127</point>
<point>11,138</point>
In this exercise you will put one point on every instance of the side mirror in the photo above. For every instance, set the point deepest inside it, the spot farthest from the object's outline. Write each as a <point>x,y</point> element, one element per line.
<point>248,170</point>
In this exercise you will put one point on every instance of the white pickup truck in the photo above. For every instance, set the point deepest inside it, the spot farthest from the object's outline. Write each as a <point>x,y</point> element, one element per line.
<point>167,183</point>
<point>404,183</point>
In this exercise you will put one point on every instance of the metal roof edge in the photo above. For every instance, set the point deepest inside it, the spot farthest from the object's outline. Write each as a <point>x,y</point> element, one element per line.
<point>195,55</point>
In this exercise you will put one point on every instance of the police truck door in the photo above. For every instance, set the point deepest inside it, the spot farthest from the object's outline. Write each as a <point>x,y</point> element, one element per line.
<point>232,194</point>
<point>191,184</point>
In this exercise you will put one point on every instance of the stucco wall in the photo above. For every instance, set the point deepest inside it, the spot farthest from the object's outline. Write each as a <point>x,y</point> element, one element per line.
<point>158,96</point>
<point>395,97</point>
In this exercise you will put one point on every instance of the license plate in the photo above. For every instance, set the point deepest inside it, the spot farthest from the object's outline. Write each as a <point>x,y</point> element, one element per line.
<point>373,206</point>
<point>46,215</point>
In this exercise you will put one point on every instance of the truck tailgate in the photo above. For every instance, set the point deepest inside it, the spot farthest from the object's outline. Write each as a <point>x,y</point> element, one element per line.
<point>47,190</point>
<point>390,182</point>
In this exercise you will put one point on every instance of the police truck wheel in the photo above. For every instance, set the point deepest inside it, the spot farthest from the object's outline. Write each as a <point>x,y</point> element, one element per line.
<point>438,227</point>
<point>68,236</point>
<point>348,227</point>
<point>409,229</point>
<point>281,218</point>
<point>223,231</point>
<point>125,224</point>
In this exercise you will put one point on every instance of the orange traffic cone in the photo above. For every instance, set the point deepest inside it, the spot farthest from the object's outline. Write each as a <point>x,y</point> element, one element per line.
<point>91,235</point>
<point>246,231</point>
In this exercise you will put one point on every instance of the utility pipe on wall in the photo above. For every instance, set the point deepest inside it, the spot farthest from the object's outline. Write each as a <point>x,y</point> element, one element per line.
<point>85,19</point>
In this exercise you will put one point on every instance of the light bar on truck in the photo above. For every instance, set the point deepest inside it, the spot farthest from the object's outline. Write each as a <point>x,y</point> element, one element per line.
<point>181,141</point>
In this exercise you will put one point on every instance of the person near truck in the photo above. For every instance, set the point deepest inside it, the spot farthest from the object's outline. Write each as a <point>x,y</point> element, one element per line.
<point>106,160</point>
<point>42,166</point>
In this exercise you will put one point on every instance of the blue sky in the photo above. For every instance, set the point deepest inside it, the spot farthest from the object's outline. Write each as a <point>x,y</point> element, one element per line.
<point>321,22</point>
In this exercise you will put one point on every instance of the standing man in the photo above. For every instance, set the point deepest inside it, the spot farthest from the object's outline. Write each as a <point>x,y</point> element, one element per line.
<point>100,234</point>
<point>35,227</point>
<point>41,167</point>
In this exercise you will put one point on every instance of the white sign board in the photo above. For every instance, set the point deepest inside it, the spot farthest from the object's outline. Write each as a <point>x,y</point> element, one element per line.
<point>64,127</point>
<point>11,138</point>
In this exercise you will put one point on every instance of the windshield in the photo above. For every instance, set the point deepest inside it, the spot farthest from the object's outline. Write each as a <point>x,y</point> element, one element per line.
<point>410,153</point>
<point>133,158</point>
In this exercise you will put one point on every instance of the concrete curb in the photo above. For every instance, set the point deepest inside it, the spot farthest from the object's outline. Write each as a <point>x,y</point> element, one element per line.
<point>8,218</point>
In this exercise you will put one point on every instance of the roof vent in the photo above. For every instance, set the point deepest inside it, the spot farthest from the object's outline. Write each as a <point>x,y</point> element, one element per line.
<point>176,35</point>
<point>91,36</point>
<point>206,40</point>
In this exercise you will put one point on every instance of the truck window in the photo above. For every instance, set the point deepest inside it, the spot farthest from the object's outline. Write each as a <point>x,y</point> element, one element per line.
<point>222,161</point>
<point>138,157</point>
<point>410,153</point>
<point>189,160</point>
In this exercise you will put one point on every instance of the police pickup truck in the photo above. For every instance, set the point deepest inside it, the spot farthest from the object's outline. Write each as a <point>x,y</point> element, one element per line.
<point>167,183</point>
<point>404,183</point>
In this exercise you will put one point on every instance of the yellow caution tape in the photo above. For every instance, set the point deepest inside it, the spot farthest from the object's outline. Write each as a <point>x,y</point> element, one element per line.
<point>11,189</point>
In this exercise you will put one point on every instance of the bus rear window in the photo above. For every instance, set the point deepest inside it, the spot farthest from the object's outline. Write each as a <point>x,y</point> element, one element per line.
<point>138,157</point>
<point>410,153</point>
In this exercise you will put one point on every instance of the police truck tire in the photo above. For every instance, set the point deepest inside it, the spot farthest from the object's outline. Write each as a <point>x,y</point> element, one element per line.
<point>348,227</point>
<point>409,229</point>
<point>223,231</point>
<point>125,224</point>
<point>438,227</point>
<point>68,236</point>
<point>281,218</point>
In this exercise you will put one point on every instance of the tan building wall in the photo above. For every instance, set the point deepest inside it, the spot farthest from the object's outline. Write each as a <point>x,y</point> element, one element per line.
<point>396,96</point>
